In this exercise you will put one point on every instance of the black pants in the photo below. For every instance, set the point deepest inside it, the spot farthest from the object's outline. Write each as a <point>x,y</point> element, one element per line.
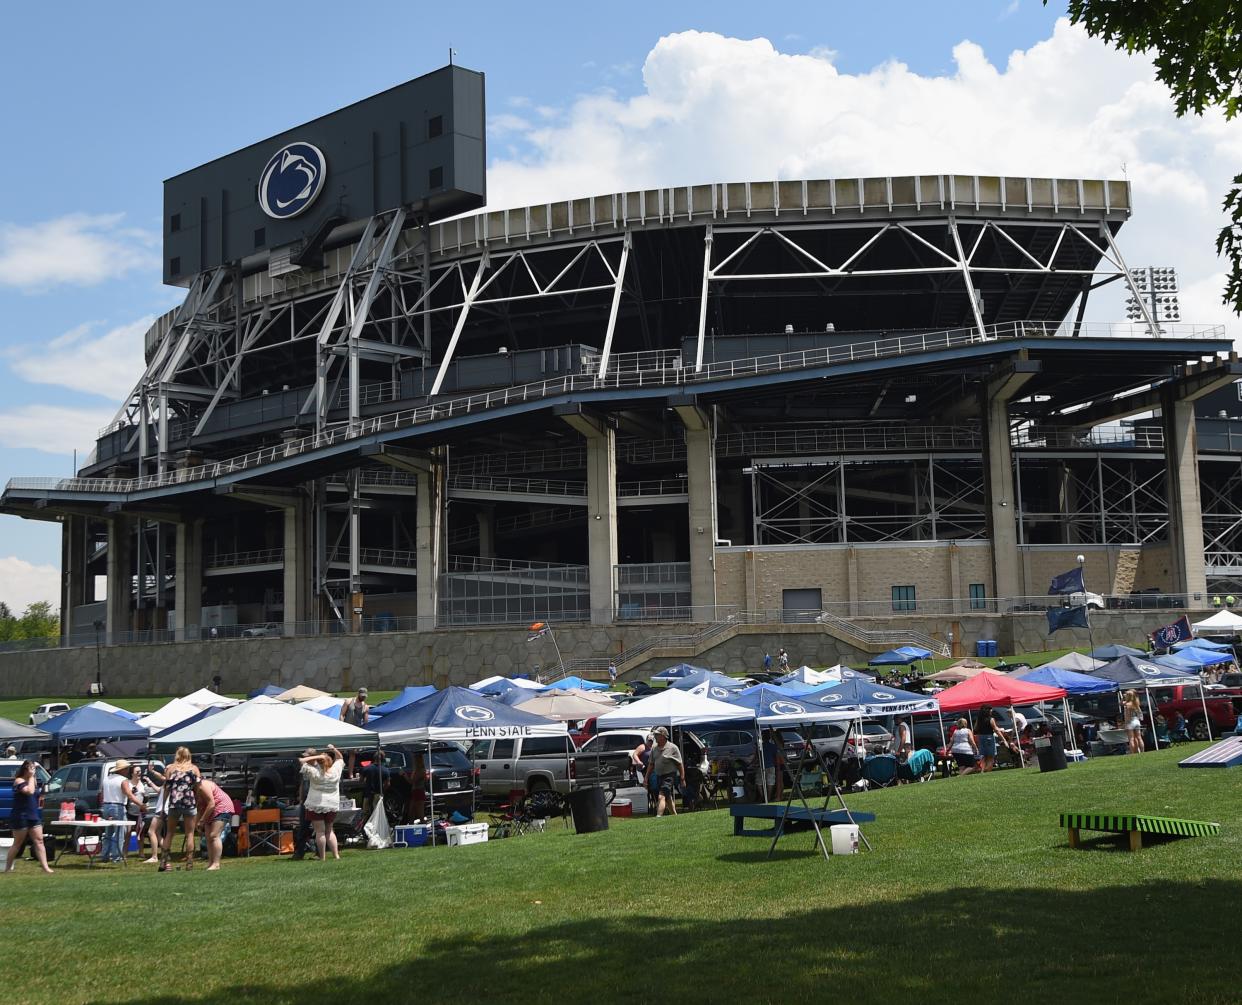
<point>303,836</point>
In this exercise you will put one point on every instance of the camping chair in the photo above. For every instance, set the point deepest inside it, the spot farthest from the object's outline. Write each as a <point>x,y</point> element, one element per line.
<point>919,766</point>
<point>880,771</point>
<point>263,830</point>
<point>1181,734</point>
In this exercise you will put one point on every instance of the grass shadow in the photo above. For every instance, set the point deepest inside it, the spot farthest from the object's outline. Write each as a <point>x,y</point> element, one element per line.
<point>1051,944</point>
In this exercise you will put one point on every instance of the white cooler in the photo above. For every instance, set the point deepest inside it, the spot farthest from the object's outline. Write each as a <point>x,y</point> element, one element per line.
<point>466,834</point>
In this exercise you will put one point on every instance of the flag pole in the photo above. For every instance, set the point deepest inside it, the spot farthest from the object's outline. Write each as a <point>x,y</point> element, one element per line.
<point>1086,608</point>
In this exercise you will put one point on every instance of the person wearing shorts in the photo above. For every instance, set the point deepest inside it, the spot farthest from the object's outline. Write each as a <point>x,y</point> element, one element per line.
<point>26,819</point>
<point>667,766</point>
<point>323,796</point>
<point>215,813</point>
<point>180,805</point>
<point>964,748</point>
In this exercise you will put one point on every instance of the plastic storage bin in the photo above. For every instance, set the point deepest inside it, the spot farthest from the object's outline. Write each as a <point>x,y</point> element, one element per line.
<point>466,834</point>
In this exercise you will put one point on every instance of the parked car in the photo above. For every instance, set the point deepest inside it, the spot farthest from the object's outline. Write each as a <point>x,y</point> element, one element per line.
<point>452,780</point>
<point>1081,599</point>
<point>529,763</point>
<point>48,711</point>
<point>8,769</point>
<point>605,758</point>
<point>1222,708</point>
<point>82,784</point>
<point>270,630</point>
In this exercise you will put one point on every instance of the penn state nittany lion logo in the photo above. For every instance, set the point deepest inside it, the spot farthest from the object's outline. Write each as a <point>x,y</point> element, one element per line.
<point>292,180</point>
<point>472,713</point>
<point>785,708</point>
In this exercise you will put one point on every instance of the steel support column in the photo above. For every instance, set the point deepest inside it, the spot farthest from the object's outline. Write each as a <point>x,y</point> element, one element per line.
<point>601,467</point>
<point>188,594</point>
<point>1185,507</point>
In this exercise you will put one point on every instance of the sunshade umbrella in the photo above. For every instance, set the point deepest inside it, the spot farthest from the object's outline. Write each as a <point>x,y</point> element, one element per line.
<point>558,705</point>
<point>960,672</point>
<point>264,725</point>
<point>602,698</point>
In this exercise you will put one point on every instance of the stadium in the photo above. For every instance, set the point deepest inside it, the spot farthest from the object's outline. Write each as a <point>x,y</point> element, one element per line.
<point>867,407</point>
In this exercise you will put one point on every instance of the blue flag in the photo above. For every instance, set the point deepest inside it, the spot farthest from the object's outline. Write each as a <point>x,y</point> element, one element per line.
<point>1170,635</point>
<point>1068,582</point>
<point>1067,617</point>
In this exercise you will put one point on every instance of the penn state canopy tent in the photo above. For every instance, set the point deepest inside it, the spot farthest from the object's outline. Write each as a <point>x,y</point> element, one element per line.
<point>1114,652</point>
<point>678,671</point>
<point>263,725</point>
<point>708,682</point>
<point>406,696</point>
<point>1132,672</point>
<point>1203,657</point>
<point>1072,681</point>
<point>458,713</point>
<point>1220,623</point>
<point>815,678</point>
<point>869,698</point>
<point>88,723</point>
<point>771,706</point>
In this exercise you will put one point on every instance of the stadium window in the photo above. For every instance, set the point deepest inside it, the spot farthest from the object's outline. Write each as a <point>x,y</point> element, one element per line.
<point>435,126</point>
<point>978,597</point>
<point>174,266</point>
<point>174,223</point>
<point>903,598</point>
<point>435,178</point>
<point>260,237</point>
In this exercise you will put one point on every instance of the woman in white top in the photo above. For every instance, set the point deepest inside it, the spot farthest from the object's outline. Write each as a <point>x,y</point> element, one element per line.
<point>1134,720</point>
<point>323,796</point>
<point>964,748</point>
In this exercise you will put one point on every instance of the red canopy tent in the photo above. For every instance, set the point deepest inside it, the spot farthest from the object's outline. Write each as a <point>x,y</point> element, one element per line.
<point>995,689</point>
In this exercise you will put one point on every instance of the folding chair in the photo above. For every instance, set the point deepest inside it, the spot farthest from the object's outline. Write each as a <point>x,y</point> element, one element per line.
<point>263,831</point>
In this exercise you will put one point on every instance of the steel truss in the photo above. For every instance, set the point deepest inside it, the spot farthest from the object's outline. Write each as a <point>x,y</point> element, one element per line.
<point>838,500</point>
<point>1095,500</point>
<point>948,246</point>
<point>1221,487</point>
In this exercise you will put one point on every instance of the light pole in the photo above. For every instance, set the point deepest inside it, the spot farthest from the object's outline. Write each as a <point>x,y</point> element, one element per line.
<point>950,643</point>
<point>99,627</point>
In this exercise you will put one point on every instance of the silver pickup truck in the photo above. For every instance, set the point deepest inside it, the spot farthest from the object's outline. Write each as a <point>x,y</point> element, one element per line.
<point>534,763</point>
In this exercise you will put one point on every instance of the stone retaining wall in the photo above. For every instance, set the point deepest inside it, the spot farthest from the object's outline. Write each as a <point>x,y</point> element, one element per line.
<point>462,656</point>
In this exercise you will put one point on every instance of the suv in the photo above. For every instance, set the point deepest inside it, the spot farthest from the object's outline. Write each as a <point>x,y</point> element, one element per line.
<point>82,784</point>
<point>262,631</point>
<point>48,711</point>
<point>453,779</point>
<point>606,756</point>
<point>8,768</point>
<point>529,763</point>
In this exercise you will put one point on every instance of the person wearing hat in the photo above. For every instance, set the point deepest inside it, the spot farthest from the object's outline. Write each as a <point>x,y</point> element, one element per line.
<point>668,768</point>
<point>116,793</point>
<point>356,712</point>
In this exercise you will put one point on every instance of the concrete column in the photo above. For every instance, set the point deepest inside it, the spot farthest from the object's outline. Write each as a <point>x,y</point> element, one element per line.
<point>1185,508</point>
<point>73,588</point>
<point>188,599</point>
<point>120,606</point>
<point>998,483</point>
<point>601,465</point>
<point>955,576</point>
<point>297,566</point>
<point>701,490</point>
<point>428,533</point>
<point>851,579</point>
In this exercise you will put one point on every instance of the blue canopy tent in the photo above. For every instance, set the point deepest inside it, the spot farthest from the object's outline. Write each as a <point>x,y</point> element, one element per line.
<point>460,714</point>
<point>267,690</point>
<point>406,696</point>
<point>901,656</point>
<point>1115,652</point>
<point>201,714</point>
<point>565,683</point>
<point>865,696</point>
<point>1071,682</point>
<point>677,672</point>
<point>88,723</point>
<point>1132,672</point>
<point>1197,643</point>
<point>1202,657</point>
<point>791,691</point>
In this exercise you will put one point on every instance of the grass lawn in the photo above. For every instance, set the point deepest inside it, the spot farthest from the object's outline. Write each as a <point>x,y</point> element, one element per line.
<point>971,894</point>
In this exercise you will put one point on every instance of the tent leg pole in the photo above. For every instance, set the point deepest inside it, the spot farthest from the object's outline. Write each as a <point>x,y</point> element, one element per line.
<point>431,789</point>
<point>1017,737</point>
<point>1207,721</point>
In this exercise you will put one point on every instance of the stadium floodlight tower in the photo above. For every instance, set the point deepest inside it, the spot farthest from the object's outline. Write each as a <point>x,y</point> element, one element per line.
<point>1157,287</point>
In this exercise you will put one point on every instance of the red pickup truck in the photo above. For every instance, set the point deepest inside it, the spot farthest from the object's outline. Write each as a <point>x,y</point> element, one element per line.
<point>1222,707</point>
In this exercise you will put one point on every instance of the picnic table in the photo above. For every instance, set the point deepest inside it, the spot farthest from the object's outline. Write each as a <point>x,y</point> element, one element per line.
<point>91,852</point>
<point>1135,825</point>
<point>780,813</point>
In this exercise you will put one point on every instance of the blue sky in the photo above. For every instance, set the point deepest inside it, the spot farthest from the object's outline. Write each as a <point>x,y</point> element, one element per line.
<point>113,99</point>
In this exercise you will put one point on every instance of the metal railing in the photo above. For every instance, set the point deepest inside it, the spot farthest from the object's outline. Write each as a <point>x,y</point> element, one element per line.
<point>235,559</point>
<point>616,379</point>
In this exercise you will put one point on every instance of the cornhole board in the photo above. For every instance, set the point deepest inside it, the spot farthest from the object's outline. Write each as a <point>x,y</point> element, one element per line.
<point>1226,754</point>
<point>1134,825</point>
<point>778,813</point>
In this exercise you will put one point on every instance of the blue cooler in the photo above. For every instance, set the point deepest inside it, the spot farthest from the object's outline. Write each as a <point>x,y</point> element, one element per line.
<point>411,835</point>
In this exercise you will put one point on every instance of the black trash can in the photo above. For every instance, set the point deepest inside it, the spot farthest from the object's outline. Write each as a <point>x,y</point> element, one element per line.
<point>1050,750</point>
<point>590,809</point>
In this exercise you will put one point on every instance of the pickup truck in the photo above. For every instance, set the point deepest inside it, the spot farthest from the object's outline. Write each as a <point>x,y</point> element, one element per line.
<point>1222,706</point>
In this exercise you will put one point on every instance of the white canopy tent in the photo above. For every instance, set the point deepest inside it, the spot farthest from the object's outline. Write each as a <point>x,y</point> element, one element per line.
<point>322,703</point>
<point>671,707</point>
<point>487,682</point>
<point>264,724</point>
<point>175,711</point>
<point>206,698</point>
<point>1220,623</point>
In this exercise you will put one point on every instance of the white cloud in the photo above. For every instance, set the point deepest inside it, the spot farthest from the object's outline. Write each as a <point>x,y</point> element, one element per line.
<point>77,249</point>
<point>107,365</point>
<point>725,109</point>
<point>22,584</point>
<point>53,429</point>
